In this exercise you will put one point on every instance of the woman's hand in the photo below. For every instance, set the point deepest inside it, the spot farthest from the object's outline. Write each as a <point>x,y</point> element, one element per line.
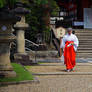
<point>72,43</point>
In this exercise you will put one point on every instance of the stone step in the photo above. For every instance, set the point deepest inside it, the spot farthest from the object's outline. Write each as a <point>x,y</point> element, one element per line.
<point>85,43</point>
<point>84,51</point>
<point>85,40</point>
<point>90,34</point>
<point>84,31</point>
<point>45,54</point>
<point>86,34</point>
<point>83,34</point>
<point>82,56</point>
<point>84,37</point>
<point>88,37</point>
<point>85,46</point>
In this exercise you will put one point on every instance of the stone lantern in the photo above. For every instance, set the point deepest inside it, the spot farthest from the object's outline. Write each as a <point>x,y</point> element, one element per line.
<point>6,37</point>
<point>20,28</point>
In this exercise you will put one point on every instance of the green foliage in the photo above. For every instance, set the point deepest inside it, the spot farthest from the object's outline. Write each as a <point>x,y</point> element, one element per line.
<point>25,1</point>
<point>51,4</point>
<point>22,74</point>
<point>54,8</point>
<point>47,35</point>
<point>9,3</point>
<point>37,18</point>
<point>40,2</point>
<point>2,3</point>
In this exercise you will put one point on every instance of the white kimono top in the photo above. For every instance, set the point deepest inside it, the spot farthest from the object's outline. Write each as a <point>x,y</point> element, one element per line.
<point>71,37</point>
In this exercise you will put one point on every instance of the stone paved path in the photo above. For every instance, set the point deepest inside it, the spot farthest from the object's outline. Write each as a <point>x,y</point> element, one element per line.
<point>54,83</point>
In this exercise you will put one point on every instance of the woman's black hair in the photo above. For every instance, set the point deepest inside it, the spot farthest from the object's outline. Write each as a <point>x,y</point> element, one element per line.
<point>73,32</point>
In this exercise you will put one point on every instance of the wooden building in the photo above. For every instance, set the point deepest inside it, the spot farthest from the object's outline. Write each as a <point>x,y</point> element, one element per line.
<point>78,12</point>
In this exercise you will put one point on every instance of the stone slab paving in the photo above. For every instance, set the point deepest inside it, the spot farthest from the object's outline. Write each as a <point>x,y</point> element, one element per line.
<point>55,83</point>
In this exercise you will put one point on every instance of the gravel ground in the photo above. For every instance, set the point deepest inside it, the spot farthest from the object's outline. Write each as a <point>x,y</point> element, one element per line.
<point>55,83</point>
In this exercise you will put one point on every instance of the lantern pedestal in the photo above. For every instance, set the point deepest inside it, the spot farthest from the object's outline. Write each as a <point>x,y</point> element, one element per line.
<point>6,37</point>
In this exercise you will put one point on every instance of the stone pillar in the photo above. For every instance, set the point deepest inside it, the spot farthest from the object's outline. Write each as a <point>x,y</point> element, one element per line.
<point>6,37</point>
<point>20,41</point>
<point>20,31</point>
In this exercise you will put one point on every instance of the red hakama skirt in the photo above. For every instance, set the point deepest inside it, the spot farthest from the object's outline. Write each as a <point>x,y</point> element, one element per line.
<point>69,55</point>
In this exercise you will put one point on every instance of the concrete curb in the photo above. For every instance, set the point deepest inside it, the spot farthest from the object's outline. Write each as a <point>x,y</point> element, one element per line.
<point>64,73</point>
<point>56,60</point>
<point>21,82</point>
<point>60,64</point>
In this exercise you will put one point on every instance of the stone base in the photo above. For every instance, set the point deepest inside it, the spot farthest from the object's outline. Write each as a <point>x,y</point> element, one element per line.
<point>46,54</point>
<point>7,74</point>
<point>23,59</point>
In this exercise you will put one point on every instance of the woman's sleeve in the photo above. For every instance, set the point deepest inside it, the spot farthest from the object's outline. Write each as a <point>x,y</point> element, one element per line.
<point>76,42</point>
<point>62,43</point>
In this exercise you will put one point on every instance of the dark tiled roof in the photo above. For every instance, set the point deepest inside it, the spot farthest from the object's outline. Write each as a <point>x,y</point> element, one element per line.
<point>21,10</point>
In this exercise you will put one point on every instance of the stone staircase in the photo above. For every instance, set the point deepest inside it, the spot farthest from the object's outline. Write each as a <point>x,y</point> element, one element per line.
<point>85,43</point>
